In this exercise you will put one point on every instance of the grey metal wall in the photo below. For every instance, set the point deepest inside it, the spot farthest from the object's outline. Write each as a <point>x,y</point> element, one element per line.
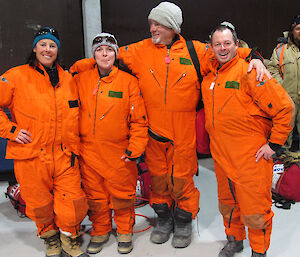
<point>20,19</point>
<point>258,22</point>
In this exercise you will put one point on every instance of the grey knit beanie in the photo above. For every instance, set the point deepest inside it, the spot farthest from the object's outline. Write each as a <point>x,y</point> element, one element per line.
<point>167,14</point>
<point>105,39</point>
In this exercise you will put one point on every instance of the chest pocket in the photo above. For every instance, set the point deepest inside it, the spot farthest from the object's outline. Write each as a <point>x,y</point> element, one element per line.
<point>290,67</point>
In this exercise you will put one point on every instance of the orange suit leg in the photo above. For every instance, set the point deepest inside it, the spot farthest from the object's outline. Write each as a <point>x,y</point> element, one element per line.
<point>124,219</point>
<point>172,170</point>
<point>250,206</point>
<point>52,193</point>
<point>255,204</point>
<point>122,196</point>
<point>110,184</point>
<point>158,158</point>
<point>98,200</point>
<point>228,206</point>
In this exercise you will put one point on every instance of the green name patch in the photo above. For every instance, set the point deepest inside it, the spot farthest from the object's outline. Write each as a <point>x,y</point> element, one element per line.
<point>232,84</point>
<point>115,94</point>
<point>185,61</point>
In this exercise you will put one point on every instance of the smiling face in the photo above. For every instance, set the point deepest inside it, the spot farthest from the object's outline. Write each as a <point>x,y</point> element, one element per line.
<point>105,57</point>
<point>46,52</point>
<point>160,34</point>
<point>223,45</point>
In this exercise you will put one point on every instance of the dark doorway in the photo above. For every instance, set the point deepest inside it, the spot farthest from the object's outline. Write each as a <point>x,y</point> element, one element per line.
<point>20,19</point>
<point>258,22</point>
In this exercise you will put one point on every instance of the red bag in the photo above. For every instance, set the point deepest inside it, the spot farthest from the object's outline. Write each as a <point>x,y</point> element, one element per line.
<point>13,193</point>
<point>143,183</point>
<point>143,189</point>
<point>202,138</point>
<point>286,181</point>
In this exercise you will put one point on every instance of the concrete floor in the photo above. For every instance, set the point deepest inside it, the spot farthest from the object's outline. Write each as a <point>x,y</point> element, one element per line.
<point>18,239</point>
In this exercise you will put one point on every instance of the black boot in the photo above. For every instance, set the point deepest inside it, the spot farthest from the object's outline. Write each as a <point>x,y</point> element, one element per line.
<point>231,247</point>
<point>182,229</point>
<point>255,254</point>
<point>161,232</point>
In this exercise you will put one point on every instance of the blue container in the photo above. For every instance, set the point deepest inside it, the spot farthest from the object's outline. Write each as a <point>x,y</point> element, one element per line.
<point>5,165</point>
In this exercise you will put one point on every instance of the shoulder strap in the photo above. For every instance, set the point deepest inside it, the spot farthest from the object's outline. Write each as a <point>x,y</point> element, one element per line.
<point>196,63</point>
<point>280,53</point>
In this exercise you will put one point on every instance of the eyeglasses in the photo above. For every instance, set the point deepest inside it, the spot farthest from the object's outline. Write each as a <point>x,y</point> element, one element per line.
<point>108,39</point>
<point>44,31</point>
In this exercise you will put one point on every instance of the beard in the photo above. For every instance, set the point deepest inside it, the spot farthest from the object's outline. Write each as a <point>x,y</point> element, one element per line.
<point>297,42</point>
<point>156,41</point>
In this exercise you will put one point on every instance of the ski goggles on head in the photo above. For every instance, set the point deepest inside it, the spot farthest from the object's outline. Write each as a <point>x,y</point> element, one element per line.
<point>228,25</point>
<point>103,39</point>
<point>46,30</point>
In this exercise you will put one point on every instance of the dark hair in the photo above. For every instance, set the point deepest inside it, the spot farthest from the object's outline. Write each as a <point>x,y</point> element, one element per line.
<point>32,60</point>
<point>222,28</point>
<point>294,22</point>
<point>122,66</point>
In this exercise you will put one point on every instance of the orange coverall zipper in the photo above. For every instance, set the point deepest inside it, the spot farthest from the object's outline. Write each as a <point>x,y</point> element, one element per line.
<point>96,106</point>
<point>54,130</point>
<point>167,77</point>
<point>213,114</point>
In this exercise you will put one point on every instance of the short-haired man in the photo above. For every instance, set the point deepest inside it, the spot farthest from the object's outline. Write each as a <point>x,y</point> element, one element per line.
<point>247,122</point>
<point>170,88</point>
<point>284,66</point>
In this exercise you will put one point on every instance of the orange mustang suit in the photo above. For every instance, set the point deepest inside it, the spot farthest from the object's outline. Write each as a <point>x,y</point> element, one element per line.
<point>46,168</point>
<point>170,88</point>
<point>112,123</point>
<point>241,116</point>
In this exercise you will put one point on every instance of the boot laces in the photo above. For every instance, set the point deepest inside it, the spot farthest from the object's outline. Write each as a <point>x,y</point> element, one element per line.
<point>53,241</point>
<point>75,242</point>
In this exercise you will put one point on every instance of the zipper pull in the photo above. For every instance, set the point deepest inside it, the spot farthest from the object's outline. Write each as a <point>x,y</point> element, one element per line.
<point>167,58</point>
<point>212,85</point>
<point>95,91</point>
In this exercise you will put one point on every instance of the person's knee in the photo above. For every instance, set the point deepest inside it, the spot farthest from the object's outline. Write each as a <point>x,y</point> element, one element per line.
<point>226,211</point>
<point>255,221</point>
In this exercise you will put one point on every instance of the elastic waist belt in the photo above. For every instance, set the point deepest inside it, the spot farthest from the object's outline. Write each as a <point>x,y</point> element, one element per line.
<point>158,138</point>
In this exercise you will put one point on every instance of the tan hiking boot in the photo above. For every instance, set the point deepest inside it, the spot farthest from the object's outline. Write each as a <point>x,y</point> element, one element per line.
<point>96,243</point>
<point>52,242</point>
<point>124,243</point>
<point>71,246</point>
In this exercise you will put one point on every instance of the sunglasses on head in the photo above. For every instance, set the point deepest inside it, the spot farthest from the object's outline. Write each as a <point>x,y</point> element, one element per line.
<point>228,25</point>
<point>47,30</point>
<point>108,39</point>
